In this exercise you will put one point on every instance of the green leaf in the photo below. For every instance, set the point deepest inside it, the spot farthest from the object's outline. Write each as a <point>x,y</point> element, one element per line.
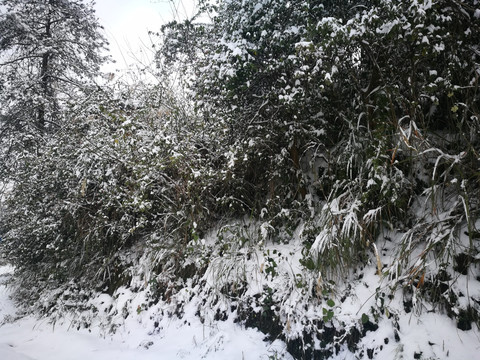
<point>309,263</point>
<point>328,315</point>
<point>365,318</point>
<point>330,303</point>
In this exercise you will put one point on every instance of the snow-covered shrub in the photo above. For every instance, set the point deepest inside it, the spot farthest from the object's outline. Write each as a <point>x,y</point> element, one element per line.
<point>321,128</point>
<point>102,183</point>
<point>249,84</point>
<point>341,115</point>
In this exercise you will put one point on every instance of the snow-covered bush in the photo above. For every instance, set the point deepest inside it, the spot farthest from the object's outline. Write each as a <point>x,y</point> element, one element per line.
<point>326,139</point>
<point>342,115</point>
<point>109,177</point>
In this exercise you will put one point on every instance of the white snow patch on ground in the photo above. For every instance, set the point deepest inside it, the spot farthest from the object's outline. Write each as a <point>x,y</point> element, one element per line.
<point>32,339</point>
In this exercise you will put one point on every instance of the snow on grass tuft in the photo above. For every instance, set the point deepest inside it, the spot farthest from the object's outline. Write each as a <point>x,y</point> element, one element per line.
<point>137,337</point>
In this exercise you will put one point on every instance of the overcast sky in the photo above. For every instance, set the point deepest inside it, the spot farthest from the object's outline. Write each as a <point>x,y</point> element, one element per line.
<point>127,23</point>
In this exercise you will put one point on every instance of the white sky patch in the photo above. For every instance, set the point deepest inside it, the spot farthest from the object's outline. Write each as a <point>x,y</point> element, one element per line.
<point>127,23</point>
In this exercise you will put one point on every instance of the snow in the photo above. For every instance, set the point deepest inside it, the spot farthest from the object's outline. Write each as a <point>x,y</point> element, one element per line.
<point>152,331</point>
<point>424,329</point>
<point>387,27</point>
<point>439,47</point>
<point>29,338</point>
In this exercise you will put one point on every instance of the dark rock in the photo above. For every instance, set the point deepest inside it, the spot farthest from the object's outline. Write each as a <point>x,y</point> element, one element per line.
<point>462,263</point>
<point>407,305</point>
<point>465,318</point>
<point>369,326</point>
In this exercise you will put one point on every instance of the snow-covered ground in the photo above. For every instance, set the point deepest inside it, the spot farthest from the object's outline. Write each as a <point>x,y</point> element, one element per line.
<point>144,333</point>
<point>30,338</point>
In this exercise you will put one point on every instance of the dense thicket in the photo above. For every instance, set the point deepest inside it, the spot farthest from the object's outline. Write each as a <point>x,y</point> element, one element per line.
<point>363,104</point>
<point>350,119</point>
<point>117,174</point>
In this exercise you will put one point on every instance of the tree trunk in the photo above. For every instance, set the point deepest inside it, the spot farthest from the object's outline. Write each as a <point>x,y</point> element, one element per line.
<point>45,79</point>
<point>295,157</point>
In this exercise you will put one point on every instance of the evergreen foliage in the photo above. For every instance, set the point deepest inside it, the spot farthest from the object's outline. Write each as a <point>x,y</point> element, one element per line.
<point>50,54</point>
<point>337,123</point>
<point>345,103</point>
